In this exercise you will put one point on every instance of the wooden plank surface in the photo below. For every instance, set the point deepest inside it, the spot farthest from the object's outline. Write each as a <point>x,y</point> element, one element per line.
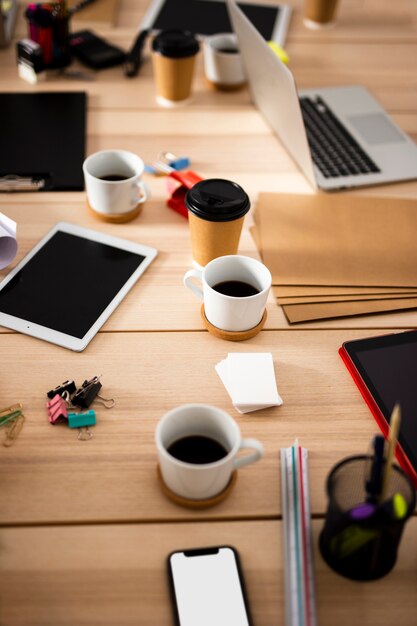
<point>159,301</point>
<point>77,565</point>
<point>111,575</point>
<point>50,476</point>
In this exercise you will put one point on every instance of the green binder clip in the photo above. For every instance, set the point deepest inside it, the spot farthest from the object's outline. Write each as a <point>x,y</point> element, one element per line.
<point>81,420</point>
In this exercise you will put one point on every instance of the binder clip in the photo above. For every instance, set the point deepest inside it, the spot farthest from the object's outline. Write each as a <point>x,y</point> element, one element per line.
<point>67,386</point>
<point>88,392</point>
<point>57,410</point>
<point>82,421</point>
<point>169,159</point>
<point>178,183</point>
<point>177,163</point>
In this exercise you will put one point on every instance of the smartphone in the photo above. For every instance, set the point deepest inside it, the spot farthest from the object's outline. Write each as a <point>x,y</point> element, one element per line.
<point>207,587</point>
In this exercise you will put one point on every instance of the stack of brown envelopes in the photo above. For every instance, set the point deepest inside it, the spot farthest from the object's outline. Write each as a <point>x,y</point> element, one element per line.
<point>337,255</point>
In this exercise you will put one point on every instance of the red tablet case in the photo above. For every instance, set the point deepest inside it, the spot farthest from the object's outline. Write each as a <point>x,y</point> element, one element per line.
<point>377,413</point>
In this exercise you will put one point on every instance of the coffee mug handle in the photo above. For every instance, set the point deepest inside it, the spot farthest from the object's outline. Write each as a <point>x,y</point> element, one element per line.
<point>188,282</point>
<point>250,458</point>
<point>143,193</point>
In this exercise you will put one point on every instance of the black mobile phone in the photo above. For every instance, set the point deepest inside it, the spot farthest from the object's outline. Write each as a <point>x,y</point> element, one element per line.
<point>94,51</point>
<point>207,587</point>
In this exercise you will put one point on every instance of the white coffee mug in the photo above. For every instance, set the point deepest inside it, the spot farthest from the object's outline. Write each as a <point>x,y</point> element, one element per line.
<point>227,312</point>
<point>199,481</point>
<point>113,181</point>
<point>222,61</point>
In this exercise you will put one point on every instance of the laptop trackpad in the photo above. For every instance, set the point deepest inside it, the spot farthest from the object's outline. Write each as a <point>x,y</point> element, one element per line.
<point>375,128</point>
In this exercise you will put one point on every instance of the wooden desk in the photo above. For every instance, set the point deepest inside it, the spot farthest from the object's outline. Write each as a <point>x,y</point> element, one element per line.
<point>85,529</point>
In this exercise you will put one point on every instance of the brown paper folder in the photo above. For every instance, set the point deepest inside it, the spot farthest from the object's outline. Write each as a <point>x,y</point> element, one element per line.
<point>313,293</point>
<point>341,298</point>
<point>308,312</point>
<point>293,291</point>
<point>331,300</point>
<point>338,239</point>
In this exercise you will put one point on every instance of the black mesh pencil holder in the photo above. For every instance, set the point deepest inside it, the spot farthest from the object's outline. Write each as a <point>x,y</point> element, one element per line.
<point>360,537</point>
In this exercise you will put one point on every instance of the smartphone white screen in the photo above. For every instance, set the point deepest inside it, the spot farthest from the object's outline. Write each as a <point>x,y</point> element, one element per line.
<point>207,589</point>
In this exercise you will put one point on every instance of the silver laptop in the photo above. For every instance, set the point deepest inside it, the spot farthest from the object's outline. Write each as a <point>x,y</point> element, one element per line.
<point>340,137</point>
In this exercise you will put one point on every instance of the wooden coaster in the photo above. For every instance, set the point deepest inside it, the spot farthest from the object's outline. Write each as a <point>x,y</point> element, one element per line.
<point>230,335</point>
<point>116,218</point>
<point>197,504</point>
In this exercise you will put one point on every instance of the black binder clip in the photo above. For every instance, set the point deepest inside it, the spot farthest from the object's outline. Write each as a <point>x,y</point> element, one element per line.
<point>88,392</point>
<point>67,386</point>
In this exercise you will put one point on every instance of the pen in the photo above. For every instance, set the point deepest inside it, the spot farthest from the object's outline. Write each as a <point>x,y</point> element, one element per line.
<point>394,428</point>
<point>374,482</point>
<point>134,56</point>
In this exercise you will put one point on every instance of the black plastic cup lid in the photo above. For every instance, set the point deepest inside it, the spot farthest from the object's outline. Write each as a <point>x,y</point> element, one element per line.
<point>176,44</point>
<point>217,200</point>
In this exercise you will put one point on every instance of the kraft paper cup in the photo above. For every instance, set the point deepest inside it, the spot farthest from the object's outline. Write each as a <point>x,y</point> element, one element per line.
<point>173,59</point>
<point>216,210</point>
<point>319,13</point>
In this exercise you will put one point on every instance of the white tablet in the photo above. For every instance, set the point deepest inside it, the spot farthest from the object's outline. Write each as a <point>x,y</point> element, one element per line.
<point>70,283</point>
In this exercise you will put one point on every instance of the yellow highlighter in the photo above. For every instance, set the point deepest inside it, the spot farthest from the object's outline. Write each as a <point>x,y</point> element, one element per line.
<point>280,52</point>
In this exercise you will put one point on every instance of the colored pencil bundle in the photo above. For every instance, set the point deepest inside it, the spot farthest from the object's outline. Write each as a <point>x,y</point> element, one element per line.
<point>300,596</point>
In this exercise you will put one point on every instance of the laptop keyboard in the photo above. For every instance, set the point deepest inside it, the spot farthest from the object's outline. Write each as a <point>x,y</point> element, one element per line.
<point>333,149</point>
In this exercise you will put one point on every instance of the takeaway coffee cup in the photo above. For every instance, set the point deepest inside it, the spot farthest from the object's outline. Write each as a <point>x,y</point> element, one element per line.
<point>319,13</point>
<point>113,180</point>
<point>173,58</point>
<point>198,448</point>
<point>223,62</point>
<point>235,291</point>
<point>216,210</point>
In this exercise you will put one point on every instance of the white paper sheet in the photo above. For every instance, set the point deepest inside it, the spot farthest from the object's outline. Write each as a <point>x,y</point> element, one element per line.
<point>249,379</point>
<point>8,243</point>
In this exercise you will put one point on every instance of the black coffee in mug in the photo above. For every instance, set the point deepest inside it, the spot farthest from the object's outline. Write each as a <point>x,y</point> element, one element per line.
<point>197,449</point>
<point>228,50</point>
<point>236,289</point>
<point>114,177</point>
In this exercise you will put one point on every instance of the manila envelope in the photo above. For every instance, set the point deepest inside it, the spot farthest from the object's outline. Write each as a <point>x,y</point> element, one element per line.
<point>337,239</point>
<point>308,312</point>
<point>307,291</point>
<point>298,294</point>
<point>345,298</point>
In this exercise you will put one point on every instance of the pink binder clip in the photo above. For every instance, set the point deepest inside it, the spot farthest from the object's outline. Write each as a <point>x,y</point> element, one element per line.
<point>57,410</point>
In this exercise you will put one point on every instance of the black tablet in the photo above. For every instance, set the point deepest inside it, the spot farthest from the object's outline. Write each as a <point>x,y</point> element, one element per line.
<point>208,17</point>
<point>385,370</point>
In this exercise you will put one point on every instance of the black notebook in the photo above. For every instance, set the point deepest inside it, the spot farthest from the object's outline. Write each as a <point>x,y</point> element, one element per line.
<point>42,140</point>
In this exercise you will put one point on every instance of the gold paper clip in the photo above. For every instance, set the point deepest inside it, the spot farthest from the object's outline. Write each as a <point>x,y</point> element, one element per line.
<point>14,429</point>
<point>10,413</point>
<point>11,409</point>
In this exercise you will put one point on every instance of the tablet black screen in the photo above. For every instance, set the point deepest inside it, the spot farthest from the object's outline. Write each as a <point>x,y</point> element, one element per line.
<point>388,366</point>
<point>208,17</point>
<point>68,283</point>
